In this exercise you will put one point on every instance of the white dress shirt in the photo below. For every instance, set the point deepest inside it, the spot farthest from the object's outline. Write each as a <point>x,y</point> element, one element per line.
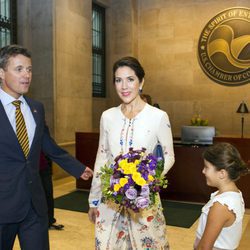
<point>10,110</point>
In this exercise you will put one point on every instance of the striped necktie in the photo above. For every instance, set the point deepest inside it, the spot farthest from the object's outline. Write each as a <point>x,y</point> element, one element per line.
<point>21,130</point>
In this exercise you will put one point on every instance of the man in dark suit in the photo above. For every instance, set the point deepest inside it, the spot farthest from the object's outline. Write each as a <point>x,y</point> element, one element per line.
<point>23,208</point>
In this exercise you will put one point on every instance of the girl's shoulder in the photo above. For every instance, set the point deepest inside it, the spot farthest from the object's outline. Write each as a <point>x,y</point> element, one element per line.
<point>233,200</point>
<point>229,196</point>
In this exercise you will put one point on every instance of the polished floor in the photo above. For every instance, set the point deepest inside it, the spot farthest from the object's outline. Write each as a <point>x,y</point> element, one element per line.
<point>79,232</point>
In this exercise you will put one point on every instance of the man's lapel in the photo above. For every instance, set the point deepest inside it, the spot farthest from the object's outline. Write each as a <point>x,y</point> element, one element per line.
<point>6,130</point>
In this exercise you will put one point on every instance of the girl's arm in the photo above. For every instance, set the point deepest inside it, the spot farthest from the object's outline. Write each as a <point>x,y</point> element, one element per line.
<point>218,217</point>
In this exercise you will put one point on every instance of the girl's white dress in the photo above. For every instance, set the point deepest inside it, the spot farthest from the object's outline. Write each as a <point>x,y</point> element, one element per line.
<point>229,237</point>
<point>116,227</point>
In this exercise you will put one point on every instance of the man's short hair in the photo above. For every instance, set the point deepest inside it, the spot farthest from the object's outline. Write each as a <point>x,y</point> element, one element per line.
<point>11,51</point>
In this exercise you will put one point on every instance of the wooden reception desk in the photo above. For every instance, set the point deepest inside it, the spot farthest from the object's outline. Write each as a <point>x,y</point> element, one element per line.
<point>186,181</point>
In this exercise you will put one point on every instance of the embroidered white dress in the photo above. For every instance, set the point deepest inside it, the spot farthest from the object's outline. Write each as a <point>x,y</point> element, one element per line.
<point>229,237</point>
<point>116,227</point>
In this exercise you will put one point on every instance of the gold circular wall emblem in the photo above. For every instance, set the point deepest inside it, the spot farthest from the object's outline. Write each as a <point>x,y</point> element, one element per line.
<point>224,47</point>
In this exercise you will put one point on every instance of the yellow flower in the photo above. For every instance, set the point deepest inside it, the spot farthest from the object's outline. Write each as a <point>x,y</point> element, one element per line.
<point>150,177</point>
<point>137,162</point>
<point>141,182</point>
<point>138,179</point>
<point>136,176</point>
<point>117,187</point>
<point>123,182</point>
<point>127,167</point>
<point>123,163</point>
<point>131,168</point>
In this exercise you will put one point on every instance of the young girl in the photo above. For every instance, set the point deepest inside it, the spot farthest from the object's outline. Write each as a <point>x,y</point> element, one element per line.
<point>220,224</point>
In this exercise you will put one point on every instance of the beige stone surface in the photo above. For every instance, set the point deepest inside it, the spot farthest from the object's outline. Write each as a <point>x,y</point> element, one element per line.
<point>72,68</point>
<point>163,34</point>
<point>167,37</point>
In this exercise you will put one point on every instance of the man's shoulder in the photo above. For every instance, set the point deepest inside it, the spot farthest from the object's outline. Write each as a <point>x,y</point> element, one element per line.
<point>32,101</point>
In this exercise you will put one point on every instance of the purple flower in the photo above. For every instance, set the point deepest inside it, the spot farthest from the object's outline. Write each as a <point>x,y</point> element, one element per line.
<point>152,164</point>
<point>113,181</point>
<point>145,191</point>
<point>141,202</point>
<point>117,174</point>
<point>131,193</point>
<point>151,172</point>
<point>126,187</point>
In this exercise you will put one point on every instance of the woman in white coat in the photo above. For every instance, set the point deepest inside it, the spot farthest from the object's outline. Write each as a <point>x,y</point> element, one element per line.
<point>136,124</point>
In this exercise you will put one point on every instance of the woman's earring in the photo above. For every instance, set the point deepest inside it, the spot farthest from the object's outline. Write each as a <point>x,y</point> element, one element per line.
<point>140,91</point>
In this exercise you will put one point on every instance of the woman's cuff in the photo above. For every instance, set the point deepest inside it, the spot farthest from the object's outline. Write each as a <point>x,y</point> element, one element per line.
<point>94,203</point>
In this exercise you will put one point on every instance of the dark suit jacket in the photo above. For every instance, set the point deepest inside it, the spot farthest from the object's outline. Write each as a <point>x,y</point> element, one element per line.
<point>20,183</point>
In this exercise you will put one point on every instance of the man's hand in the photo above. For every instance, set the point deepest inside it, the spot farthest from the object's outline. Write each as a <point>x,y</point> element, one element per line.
<point>88,173</point>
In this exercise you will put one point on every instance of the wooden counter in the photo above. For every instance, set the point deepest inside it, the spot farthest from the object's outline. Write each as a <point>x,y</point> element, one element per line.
<point>186,181</point>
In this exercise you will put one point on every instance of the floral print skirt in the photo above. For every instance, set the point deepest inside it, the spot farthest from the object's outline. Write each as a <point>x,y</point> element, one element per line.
<point>118,228</point>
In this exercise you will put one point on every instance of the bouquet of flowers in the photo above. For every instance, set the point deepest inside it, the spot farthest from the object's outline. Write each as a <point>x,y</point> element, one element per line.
<point>133,180</point>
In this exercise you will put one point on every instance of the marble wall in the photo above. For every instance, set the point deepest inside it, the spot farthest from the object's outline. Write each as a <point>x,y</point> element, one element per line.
<point>35,29</point>
<point>72,68</point>
<point>58,33</point>
<point>163,34</point>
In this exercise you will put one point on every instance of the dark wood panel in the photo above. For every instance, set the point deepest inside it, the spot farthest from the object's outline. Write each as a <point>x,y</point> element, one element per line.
<point>186,181</point>
<point>86,149</point>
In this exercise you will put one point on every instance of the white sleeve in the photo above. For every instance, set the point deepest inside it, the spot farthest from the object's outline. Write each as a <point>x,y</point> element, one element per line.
<point>165,137</point>
<point>101,159</point>
<point>233,203</point>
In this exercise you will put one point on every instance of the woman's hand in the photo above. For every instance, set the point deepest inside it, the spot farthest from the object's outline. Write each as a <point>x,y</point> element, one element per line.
<point>92,214</point>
